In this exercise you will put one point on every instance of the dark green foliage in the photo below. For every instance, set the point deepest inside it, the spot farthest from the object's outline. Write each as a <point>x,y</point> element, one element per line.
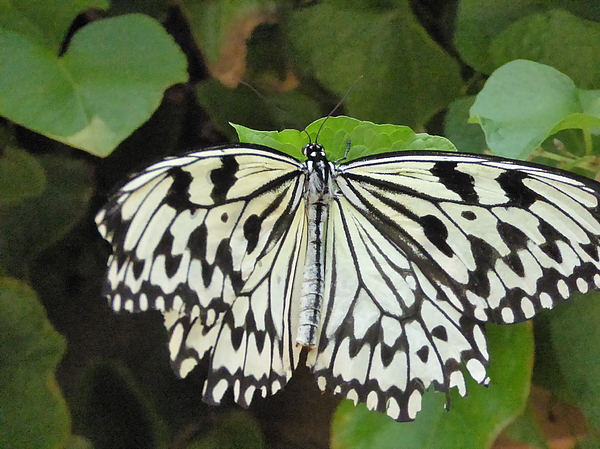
<point>88,75</point>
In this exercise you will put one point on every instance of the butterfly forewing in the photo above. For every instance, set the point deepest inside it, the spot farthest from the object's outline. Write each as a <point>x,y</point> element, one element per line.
<point>503,242</point>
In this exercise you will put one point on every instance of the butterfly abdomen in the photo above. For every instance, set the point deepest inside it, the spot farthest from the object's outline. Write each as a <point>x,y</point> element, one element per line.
<point>318,192</point>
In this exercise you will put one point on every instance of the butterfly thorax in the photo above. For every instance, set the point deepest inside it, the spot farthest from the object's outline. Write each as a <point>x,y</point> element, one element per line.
<point>318,194</point>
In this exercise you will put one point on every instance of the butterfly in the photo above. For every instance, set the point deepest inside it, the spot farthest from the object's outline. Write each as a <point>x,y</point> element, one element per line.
<point>378,273</point>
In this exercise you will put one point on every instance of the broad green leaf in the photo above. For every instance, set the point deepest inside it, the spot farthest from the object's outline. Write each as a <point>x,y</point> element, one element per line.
<point>524,102</point>
<point>576,343</point>
<point>480,22</point>
<point>472,422</point>
<point>110,80</point>
<point>43,24</point>
<point>403,75</point>
<point>468,137</point>
<point>365,138</point>
<point>526,429</point>
<point>33,413</point>
<point>290,141</point>
<point>36,223</point>
<point>21,176</point>
<point>556,38</point>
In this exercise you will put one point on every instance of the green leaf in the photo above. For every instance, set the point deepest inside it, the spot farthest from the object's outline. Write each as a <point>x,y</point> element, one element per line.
<point>36,223</point>
<point>472,422</point>
<point>468,137</point>
<point>556,38</point>
<point>524,102</point>
<point>480,22</point>
<point>104,87</point>
<point>405,77</point>
<point>526,429</point>
<point>365,138</point>
<point>33,412</point>
<point>44,24</point>
<point>21,176</point>
<point>576,342</point>
<point>289,141</point>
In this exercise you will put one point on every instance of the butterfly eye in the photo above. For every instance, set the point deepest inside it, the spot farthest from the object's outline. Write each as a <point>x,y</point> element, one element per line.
<point>307,149</point>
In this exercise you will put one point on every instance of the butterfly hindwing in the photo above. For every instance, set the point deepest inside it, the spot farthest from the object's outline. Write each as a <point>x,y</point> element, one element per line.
<point>255,348</point>
<point>388,333</point>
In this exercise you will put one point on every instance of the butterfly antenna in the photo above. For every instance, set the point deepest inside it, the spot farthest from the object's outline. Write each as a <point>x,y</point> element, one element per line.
<point>308,135</point>
<point>337,106</point>
<point>270,102</point>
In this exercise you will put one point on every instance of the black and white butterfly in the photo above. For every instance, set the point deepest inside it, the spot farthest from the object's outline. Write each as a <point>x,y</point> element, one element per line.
<point>380,272</point>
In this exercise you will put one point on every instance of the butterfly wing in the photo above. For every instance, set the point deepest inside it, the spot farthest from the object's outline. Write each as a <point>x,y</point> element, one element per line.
<point>430,246</point>
<point>206,239</point>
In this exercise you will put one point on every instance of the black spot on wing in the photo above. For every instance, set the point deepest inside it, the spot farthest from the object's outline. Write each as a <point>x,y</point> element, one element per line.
<point>485,256</point>
<point>197,242</point>
<point>138,267</point>
<point>355,346</point>
<point>423,354</point>
<point>197,245</point>
<point>178,196</point>
<point>436,232</point>
<point>591,249</point>
<point>552,235</point>
<point>468,215</point>
<point>165,244</point>
<point>387,354</point>
<point>165,248</point>
<point>224,261</point>
<point>515,264</point>
<point>223,178</point>
<point>259,336</point>
<point>237,335</point>
<point>515,239</point>
<point>456,181</point>
<point>440,333</point>
<point>252,232</point>
<point>172,264</point>
<point>512,236</point>
<point>511,181</point>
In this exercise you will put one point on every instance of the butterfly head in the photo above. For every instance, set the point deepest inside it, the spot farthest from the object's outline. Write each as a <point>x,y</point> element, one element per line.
<point>314,151</point>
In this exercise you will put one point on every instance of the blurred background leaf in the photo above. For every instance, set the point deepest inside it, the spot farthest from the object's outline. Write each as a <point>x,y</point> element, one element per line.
<point>33,413</point>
